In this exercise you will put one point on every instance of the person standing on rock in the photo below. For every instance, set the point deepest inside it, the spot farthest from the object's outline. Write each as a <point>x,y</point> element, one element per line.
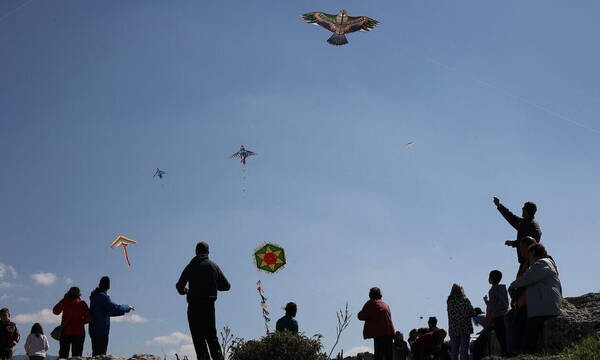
<point>204,279</point>
<point>525,225</point>
<point>102,308</point>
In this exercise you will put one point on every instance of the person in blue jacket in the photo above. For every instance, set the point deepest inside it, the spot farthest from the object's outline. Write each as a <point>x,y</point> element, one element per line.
<point>102,308</point>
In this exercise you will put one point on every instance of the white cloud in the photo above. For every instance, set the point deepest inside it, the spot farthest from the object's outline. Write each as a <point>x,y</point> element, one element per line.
<point>176,337</point>
<point>130,318</point>
<point>45,279</point>
<point>68,281</point>
<point>187,350</point>
<point>44,316</point>
<point>7,269</point>
<point>358,349</point>
<point>7,285</point>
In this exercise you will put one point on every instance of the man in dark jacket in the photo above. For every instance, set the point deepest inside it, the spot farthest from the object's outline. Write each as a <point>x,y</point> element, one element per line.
<point>102,308</point>
<point>205,279</point>
<point>525,225</point>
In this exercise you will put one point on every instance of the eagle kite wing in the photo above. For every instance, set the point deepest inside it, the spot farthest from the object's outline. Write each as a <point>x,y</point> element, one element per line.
<point>360,23</point>
<point>324,20</point>
<point>250,153</point>
<point>236,155</point>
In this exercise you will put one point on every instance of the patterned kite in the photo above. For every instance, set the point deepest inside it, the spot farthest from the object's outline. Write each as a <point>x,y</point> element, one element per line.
<point>269,257</point>
<point>263,305</point>
<point>123,241</point>
<point>159,173</point>
<point>340,24</point>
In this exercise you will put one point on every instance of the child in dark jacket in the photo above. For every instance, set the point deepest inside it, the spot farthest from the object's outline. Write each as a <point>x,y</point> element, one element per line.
<point>9,335</point>
<point>497,303</point>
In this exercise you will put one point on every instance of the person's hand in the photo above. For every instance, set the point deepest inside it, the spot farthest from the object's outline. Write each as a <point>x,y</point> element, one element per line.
<point>485,299</point>
<point>508,243</point>
<point>13,343</point>
<point>131,308</point>
<point>496,201</point>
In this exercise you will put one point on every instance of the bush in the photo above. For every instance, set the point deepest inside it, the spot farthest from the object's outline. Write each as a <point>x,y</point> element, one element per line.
<point>588,349</point>
<point>279,346</point>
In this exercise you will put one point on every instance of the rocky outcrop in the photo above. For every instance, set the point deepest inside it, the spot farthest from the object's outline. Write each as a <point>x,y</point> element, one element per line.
<point>580,318</point>
<point>112,357</point>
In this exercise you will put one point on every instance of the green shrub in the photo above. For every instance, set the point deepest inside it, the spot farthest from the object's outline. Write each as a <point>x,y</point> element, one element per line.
<point>588,349</point>
<point>279,346</point>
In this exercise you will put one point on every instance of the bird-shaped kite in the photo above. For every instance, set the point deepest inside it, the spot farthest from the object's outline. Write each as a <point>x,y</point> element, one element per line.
<point>243,154</point>
<point>123,241</point>
<point>340,24</point>
<point>159,173</point>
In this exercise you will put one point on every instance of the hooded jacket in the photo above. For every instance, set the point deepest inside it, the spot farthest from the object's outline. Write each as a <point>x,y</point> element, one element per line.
<point>102,308</point>
<point>204,278</point>
<point>497,304</point>
<point>542,288</point>
<point>378,319</point>
<point>75,314</point>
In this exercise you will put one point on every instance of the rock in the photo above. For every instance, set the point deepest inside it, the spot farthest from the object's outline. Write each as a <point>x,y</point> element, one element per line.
<point>579,318</point>
<point>145,357</point>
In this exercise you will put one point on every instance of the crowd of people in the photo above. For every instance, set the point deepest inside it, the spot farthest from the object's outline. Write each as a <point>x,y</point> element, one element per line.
<point>517,324</point>
<point>535,296</point>
<point>75,314</point>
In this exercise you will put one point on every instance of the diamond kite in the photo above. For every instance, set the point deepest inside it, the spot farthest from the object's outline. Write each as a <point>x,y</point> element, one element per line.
<point>269,257</point>
<point>123,241</point>
<point>340,24</point>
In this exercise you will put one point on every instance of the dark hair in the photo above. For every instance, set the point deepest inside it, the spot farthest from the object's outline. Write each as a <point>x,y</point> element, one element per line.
<point>375,293</point>
<point>74,292</point>
<point>201,248</point>
<point>528,241</point>
<point>538,250</point>
<point>291,308</point>
<point>4,311</point>
<point>530,207</point>
<point>104,283</point>
<point>37,329</point>
<point>432,319</point>
<point>495,276</point>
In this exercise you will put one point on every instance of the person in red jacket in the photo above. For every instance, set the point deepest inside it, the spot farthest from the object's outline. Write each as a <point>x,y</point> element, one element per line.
<point>378,324</point>
<point>75,314</point>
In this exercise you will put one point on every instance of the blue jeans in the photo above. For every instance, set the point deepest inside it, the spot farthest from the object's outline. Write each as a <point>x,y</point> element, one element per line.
<point>460,343</point>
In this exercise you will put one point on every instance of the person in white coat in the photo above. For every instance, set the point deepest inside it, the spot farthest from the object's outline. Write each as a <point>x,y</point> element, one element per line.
<point>542,290</point>
<point>36,345</point>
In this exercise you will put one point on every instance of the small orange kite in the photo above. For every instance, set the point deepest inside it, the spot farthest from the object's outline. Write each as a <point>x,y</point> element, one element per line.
<point>123,241</point>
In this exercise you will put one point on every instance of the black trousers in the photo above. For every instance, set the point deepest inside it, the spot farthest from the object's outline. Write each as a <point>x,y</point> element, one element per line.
<point>500,331</point>
<point>518,330</point>
<point>201,318</point>
<point>99,344</point>
<point>535,327</point>
<point>5,354</point>
<point>383,347</point>
<point>70,342</point>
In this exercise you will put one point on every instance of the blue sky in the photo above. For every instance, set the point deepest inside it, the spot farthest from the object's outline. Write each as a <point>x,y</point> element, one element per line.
<point>499,98</point>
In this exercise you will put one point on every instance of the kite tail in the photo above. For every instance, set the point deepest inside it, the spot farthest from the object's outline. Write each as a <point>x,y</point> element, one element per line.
<point>126,256</point>
<point>337,39</point>
<point>244,181</point>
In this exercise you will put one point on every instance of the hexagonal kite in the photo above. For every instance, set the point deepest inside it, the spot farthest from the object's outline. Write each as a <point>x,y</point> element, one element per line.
<point>269,257</point>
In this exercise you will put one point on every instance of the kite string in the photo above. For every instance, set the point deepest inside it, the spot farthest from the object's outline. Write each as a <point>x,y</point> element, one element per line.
<point>514,96</point>
<point>25,3</point>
